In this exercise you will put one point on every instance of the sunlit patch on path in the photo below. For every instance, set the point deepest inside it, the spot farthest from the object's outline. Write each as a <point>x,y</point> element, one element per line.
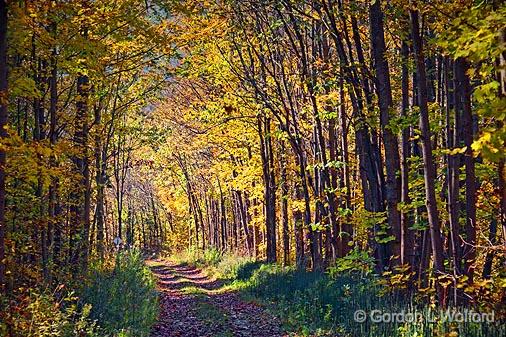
<point>192,305</point>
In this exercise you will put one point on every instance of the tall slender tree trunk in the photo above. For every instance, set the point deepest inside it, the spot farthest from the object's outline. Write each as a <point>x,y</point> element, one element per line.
<point>489,258</point>
<point>223,218</point>
<point>501,167</point>
<point>82,107</point>
<point>407,235</point>
<point>269,186</point>
<point>336,241</point>
<point>243,211</point>
<point>201,219</point>
<point>469,162</point>
<point>392,160</point>
<point>284,207</point>
<point>54,208</point>
<point>39,135</point>
<point>100,181</point>
<point>346,231</point>
<point>428,160</point>
<point>453,140</point>
<point>3,133</point>
<point>298,224</point>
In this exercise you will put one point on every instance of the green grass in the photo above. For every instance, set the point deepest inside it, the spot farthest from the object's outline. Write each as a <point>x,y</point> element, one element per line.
<point>111,301</point>
<point>193,290</point>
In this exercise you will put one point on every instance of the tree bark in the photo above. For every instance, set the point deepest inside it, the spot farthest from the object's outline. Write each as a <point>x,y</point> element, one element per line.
<point>384,93</point>
<point>298,224</point>
<point>346,232</point>
<point>3,134</point>
<point>453,141</point>
<point>489,258</point>
<point>428,160</point>
<point>269,186</point>
<point>284,207</point>
<point>82,107</point>
<point>469,253</point>
<point>407,235</point>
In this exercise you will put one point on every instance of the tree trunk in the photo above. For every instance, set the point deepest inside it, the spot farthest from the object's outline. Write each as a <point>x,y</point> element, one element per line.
<point>100,181</point>
<point>284,207</point>
<point>243,211</point>
<point>467,130</point>
<point>82,109</point>
<point>500,167</point>
<point>53,208</point>
<point>346,232</point>
<point>269,186</point>
<point>428,161</point>
<point>298,224</point>
<point>3,134</point>
<point>453,141</point>
<point>489,258</point>
<point>223,219</point>
<point>407,235</point>
<point>384,92</point>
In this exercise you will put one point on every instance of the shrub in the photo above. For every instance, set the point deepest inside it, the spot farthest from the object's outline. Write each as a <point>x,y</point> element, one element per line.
<point>41,313</point>
<point>211,257</point>
<point>123,299</point>
<point>324,304</point>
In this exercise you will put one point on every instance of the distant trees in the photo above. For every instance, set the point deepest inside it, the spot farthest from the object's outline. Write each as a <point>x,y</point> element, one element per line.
<point>359,144</point>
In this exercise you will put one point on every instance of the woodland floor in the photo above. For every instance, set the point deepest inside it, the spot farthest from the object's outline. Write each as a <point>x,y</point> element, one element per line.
<point>195,305</point>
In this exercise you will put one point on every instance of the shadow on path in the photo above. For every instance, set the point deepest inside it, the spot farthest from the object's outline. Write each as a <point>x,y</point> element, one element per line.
<point>190,306</point>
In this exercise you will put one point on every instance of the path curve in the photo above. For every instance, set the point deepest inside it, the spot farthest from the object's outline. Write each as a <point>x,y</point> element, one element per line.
<point>190,306</point>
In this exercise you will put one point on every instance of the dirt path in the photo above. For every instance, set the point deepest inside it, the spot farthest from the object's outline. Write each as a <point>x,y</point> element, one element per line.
<point>191,306</point>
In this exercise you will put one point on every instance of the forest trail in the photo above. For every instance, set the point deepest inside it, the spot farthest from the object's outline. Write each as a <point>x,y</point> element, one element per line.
<point>192,305</point>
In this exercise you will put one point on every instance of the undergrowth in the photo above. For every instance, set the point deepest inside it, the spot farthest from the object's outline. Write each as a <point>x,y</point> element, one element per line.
<point>113,300</point>
<point>123,299</point>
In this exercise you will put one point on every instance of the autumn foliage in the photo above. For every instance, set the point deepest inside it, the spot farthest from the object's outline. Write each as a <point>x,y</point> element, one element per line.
<point>330,136</point>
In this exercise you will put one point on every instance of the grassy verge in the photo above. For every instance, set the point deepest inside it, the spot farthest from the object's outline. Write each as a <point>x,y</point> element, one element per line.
<point>317,304</point>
